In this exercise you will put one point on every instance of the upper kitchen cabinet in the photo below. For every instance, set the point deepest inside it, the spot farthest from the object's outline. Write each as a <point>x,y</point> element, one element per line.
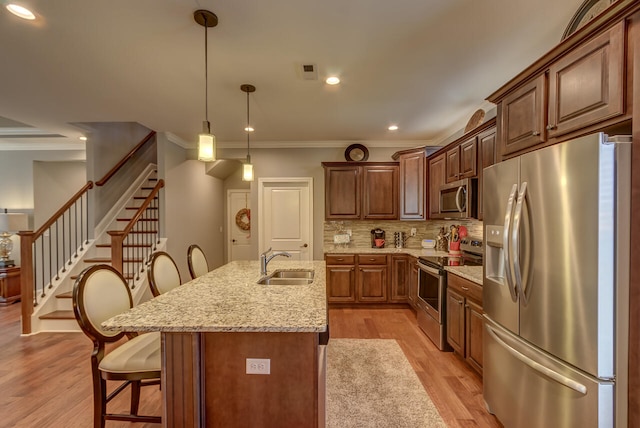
<point>437,177</point>
<point>461,160</point>
<point>576,89</point>
<point>367,191</point>
<point>412,183</point>
<point>486,158</point>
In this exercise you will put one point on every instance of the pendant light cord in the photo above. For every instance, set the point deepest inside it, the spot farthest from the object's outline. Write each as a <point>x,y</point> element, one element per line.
<point>248,126</point>
<point>206,76</point>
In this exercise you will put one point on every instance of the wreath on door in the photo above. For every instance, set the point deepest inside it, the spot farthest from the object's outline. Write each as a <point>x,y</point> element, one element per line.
<point>240,219</point>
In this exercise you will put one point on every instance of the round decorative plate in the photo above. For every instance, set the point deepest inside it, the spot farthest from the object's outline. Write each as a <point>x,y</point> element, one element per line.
<point>585,13</point>
<point>356,153</point>
<point>475,121</point>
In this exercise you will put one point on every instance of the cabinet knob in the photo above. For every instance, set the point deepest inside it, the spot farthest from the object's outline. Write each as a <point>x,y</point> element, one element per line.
<point>465,288</point>
<point>535,133</point>
<point>550,127</point>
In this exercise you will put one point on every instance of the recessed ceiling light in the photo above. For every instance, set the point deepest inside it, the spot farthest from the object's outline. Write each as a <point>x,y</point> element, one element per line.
<point>249,129</point>
<point>393,128</point>
<point>332,80</point>
<point>83,138</point>
<point>21,12</point>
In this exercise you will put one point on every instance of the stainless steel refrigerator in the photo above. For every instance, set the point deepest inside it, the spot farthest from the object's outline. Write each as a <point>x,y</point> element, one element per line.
<point>555,289</point>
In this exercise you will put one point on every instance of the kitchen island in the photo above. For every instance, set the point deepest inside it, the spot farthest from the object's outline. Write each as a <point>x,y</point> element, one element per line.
<point>212,325</point>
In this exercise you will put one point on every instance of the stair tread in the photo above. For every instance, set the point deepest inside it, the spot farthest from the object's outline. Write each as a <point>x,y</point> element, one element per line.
<point>108,260</point>
<point>142,219</point>
<point>67,295</point>
<point>137,208</point>
<point>58,315</point>
<point>125,245</point>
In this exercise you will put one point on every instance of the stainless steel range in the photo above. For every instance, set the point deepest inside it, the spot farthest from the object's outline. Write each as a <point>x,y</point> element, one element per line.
<point>432,288</point>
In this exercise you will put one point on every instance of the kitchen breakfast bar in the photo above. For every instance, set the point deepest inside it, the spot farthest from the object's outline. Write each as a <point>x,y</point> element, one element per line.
<point>213,324</point>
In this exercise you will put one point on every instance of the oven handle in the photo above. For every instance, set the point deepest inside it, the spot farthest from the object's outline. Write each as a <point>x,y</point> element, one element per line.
<point>429,269</point>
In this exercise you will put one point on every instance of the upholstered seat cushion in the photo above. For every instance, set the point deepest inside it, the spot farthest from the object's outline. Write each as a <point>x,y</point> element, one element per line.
<point>140,354</point>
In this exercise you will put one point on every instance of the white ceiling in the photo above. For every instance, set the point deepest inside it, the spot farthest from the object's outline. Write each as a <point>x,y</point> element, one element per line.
<point>425,65</point>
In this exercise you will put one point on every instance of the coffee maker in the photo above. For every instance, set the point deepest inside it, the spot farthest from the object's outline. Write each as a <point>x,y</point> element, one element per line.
<point>377,238</point>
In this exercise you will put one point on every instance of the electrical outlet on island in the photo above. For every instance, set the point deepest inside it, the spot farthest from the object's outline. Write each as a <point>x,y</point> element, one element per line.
<point>258,366</point>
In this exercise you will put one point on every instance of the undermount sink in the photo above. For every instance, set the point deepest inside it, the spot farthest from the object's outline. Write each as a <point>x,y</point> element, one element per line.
<point>288,277</point>
<point>302,273</point>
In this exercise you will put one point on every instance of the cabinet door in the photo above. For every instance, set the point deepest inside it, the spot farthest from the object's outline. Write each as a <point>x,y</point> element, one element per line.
<point>455,321</point>
<point>341,284</point>
<point>468,158</point>
<point>342,192</point>
<point>437,178</point>
<point>453,164</point>
<point>399,279</point>
<point>474,325</point>
<point>372,283</point>
<point>486,158</point>
<point>380,193</point>
<point>412,186</point>
<point>413,282</point>
<point>586,86</point>
<point>522,117</point>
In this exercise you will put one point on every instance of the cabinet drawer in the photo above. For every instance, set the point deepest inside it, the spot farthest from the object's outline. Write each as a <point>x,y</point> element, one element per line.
<point>340,259</point>
<point>467,288</point>
<point>372,259</point>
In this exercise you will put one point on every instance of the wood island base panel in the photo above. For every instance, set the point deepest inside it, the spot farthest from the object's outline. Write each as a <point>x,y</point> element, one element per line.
<point>208,384</point>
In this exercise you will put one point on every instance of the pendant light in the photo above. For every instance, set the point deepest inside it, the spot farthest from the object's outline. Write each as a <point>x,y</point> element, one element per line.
<point>247,168</point>
<point>206,140</point>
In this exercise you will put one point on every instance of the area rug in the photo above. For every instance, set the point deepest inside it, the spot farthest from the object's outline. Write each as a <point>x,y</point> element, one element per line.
<point>370,383</point>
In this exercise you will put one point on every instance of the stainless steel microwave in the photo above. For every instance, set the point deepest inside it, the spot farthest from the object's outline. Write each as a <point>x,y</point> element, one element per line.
<point>459,199</point>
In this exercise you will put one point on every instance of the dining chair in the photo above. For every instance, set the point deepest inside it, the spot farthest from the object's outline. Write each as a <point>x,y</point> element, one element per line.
<point>163,273</point>
<point>197,261</point>
<point>99,293</point>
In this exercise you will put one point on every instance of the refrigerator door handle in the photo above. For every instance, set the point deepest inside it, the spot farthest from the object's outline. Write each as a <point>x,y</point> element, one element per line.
<point>563,380</point>
<point>515,243</point>
<point>458,204</point>
<point>505,244</point>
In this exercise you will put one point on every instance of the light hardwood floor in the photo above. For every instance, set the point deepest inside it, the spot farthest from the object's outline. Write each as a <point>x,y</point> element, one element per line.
<point>45,378</point>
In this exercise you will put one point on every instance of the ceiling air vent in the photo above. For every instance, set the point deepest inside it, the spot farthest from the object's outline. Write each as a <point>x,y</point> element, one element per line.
<point>309,72</point>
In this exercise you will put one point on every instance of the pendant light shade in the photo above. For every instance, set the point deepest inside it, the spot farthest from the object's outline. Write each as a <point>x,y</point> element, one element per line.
<point>206,140</point>
<point>247,167</point>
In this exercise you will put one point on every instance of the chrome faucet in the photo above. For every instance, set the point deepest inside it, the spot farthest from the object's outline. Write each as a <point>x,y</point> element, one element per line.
<point>264,259</point>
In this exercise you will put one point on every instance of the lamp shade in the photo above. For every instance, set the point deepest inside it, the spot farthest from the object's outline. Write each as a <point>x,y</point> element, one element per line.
<point>13,222</point>
<point>247,172</point>
<point>206,147</point>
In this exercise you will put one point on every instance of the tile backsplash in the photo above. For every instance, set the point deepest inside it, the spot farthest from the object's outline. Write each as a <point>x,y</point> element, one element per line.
<point>361,230</point>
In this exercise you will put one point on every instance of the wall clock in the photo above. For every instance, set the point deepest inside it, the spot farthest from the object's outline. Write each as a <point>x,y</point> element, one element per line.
<point>357,153</point>
<point>585,13</point>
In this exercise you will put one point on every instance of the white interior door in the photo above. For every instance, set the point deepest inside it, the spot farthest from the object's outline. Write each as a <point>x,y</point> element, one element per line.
<point>239,218</point>
<point>286,216</point>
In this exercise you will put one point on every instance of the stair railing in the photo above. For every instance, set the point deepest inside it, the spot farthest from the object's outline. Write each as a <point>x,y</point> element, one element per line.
<point>50,250</point>
<point>132,247</point>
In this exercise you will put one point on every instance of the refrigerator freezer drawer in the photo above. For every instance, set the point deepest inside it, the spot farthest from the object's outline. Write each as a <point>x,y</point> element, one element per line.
<point>525,388</point>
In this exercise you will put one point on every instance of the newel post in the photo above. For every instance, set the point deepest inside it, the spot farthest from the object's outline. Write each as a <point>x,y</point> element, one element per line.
<point>26,278</point>
<point>117,241</point>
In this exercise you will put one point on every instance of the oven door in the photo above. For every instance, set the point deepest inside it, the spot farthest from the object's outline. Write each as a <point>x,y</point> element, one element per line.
<point>431,291</point>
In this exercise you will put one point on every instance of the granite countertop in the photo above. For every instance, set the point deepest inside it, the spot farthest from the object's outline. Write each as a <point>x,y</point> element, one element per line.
<point>472,273</point>
<point>228,299</point>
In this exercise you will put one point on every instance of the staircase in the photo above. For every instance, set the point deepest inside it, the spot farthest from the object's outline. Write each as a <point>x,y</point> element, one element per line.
<point>54,312</point>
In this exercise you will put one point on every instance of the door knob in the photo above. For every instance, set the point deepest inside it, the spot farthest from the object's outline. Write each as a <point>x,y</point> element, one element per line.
<point>305,245</point>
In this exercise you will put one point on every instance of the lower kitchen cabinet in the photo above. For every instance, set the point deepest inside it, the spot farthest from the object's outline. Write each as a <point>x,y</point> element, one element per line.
<point>372,278</point>
<point>341,278</point>
<point>464,319</point>
<point>413,282</point>
<point>400,274</point>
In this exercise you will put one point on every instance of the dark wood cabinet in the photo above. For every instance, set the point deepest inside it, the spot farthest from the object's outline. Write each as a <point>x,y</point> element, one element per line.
<point>486,158</point>
<point>400,272</point>
<point>342,187</point>
<point>380,192</point>
<point>453,164</point>
<point>366,191</point>
<point>372,278</point>
<point>413,282</point>
<point>413,185</point>
<point>522,117</point>
<point>462,160</point>
<point>586,85</point>
<point>437,177</point>
<point>341,278</point>
<point>579,89</point>
<point>464,319</point>
<point>9,285</point>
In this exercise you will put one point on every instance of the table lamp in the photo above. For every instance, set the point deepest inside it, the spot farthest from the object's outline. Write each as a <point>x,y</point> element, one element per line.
<point>9,224</point>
